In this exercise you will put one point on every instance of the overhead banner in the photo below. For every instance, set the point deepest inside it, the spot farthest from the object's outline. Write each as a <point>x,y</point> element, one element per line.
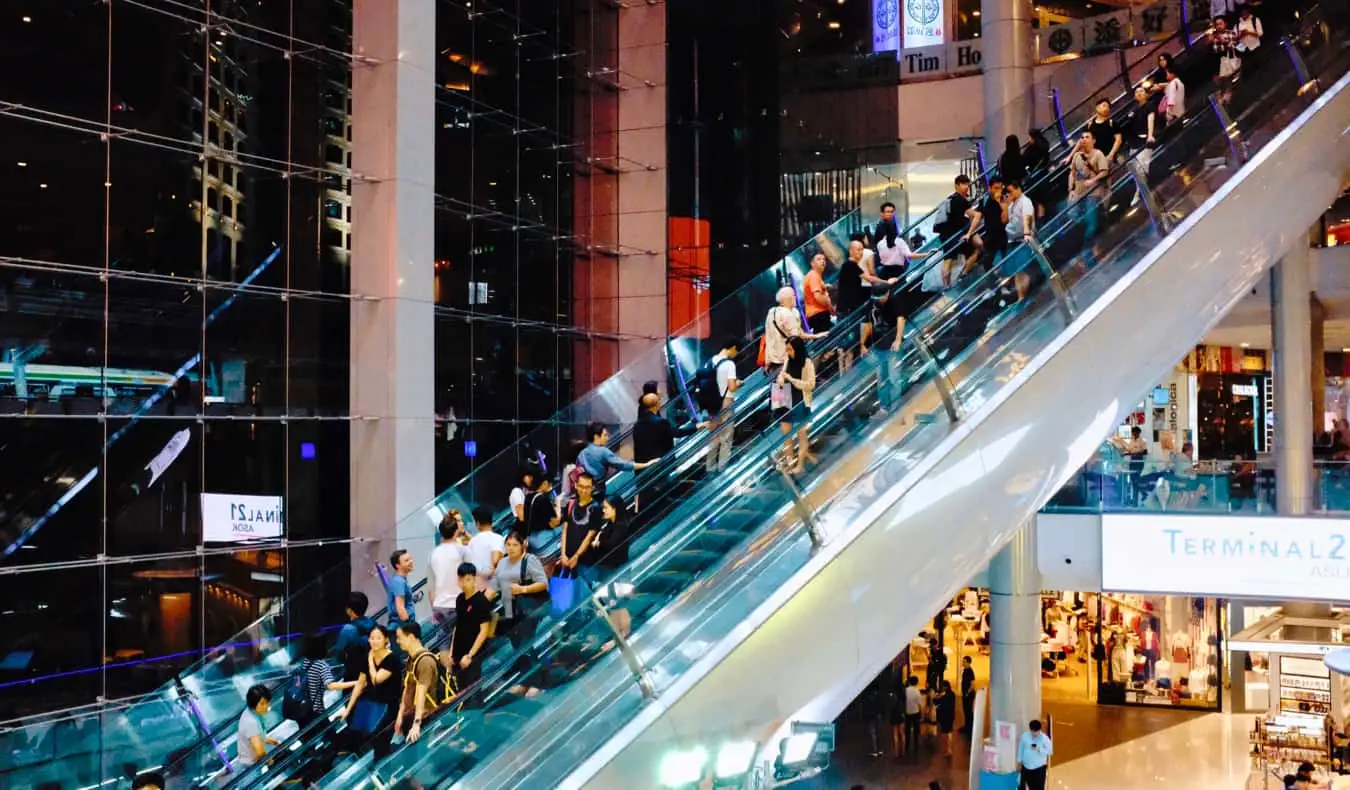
<point>924,23</point>
<point>237,518</point>
<point>885,25</point>
<point>1227,556</point>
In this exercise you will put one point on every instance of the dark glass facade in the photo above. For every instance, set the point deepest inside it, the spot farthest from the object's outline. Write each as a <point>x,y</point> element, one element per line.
<point>504,109</point>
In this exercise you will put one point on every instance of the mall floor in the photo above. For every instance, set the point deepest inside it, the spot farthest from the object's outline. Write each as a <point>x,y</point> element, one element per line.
<point>1096,746</point>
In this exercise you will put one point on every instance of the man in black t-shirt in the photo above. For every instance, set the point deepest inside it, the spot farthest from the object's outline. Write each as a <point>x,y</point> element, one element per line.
<point>473,614</point>
<point>1105,135</point>
<point>581,521</point>
<point>993,235</point>
<point>956,229</point>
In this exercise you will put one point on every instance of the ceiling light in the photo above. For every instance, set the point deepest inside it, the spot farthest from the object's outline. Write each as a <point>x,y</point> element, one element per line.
<point>1345,351</point>
<point>42,186</point>
<point>1245,345</point>
<point>976,12</point>
<point>28,19</point>
<point>834,25</point>
<point>23,164</point>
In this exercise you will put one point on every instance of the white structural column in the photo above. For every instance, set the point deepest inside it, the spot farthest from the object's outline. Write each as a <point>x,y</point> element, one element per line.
<point>392,315</point>
<point>1005,28</point>
<point>1015,637</point>
<point>1291,331</point>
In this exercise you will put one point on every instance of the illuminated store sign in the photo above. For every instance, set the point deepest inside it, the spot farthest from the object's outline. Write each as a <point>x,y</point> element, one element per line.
<point>886,25</point>
<point>924,21</point>
<point>1227,556</point>
<point>235,518</point>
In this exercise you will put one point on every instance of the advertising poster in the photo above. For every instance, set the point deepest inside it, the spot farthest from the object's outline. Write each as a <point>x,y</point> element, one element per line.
<point>924,23</point>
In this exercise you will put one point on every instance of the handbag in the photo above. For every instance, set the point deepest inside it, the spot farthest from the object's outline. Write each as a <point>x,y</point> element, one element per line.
<point>1228,66</point>
<point>365,718</point>
<point>779,398</point>
<point>295,703</point>
<point>562,590</point>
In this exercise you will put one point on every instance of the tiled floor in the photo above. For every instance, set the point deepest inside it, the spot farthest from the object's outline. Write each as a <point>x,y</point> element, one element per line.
<point>1096,747</point>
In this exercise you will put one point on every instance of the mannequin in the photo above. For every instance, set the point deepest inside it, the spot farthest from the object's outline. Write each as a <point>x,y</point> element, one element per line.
<point>1122,659</point>
<point>1149,648</point>
<point>1181,648</point>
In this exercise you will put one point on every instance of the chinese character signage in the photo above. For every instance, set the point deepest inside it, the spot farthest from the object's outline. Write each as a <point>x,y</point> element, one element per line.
<point>886,25</point>
<point>924,23</point>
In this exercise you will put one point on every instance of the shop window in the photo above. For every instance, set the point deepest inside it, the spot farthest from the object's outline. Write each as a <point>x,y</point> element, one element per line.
<point>1161,650</point>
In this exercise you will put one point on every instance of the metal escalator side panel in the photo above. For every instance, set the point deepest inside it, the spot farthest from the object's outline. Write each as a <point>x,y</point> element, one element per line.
<point>811,647</point>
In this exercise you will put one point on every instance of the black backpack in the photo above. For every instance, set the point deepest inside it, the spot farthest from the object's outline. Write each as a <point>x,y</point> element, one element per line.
<point>353,656</point>
<point>707,394</point>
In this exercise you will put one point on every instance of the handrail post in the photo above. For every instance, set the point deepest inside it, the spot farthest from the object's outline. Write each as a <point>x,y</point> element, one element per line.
<point>1059,115</point>
<point>804,510</point>
<point>951,402</point>
<point>1062,296</point>
<point>1300,66</point>
<point>1162,223</point>
<point>1124,72</point>
<point>1236,145</point>
<point>630,656</point>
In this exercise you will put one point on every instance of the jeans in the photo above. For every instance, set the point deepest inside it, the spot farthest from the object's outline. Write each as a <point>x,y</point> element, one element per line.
<point>1088,210</point>
<point>1033,779</point>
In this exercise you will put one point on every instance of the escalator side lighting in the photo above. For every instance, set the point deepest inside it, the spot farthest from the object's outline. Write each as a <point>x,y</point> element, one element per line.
<point>734,759</point>
<point>797,749</point>
<point>683,768</point>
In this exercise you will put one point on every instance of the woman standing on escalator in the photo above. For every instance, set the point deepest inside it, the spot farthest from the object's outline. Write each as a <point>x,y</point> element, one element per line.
<point>374,702</point>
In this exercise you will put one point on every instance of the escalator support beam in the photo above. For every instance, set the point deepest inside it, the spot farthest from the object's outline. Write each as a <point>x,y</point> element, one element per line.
<point>1162,223</point>
<point>1236,145</point>
<point>804,510</point>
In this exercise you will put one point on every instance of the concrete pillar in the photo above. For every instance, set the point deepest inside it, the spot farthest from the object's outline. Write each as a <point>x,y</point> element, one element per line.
<point>1291,328</point>
<point>1005,28</point>
<point>393,335</point>
<point>1318,314</point>
<point>1015,635</point>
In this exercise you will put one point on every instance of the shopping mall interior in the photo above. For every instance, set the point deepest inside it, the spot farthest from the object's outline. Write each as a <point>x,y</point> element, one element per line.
<point>674,394</point>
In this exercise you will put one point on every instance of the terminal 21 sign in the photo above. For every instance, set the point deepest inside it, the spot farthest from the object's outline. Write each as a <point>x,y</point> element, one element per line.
<point>1227,556</point>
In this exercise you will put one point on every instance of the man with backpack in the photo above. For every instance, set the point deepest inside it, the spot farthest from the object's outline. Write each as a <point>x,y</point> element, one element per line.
<point>955,226</point>
<point>351,646</point>
<point>715,386</point>
<point>424,684</point>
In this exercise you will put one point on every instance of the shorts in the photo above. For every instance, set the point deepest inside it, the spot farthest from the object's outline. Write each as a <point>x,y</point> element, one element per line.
<point>820,322</point>
<point>797,415</point>
<point>963,248</point>
<point>907,301</point>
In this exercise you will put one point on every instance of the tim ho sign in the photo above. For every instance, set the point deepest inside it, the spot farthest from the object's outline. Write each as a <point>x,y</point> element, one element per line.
<point>235,518</point>
<point>960,57</point>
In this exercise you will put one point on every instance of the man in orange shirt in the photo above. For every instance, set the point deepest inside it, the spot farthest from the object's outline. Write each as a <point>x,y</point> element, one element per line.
<point>819,309</point>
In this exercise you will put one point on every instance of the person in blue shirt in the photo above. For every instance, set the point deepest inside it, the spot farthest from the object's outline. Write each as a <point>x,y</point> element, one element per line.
<point>597,460</point>
<point>400,589</point>
<point>351,644</point>
<point>1033,753</point>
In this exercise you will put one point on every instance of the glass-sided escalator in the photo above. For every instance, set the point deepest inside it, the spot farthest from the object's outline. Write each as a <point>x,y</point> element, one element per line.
<point>759,596</point>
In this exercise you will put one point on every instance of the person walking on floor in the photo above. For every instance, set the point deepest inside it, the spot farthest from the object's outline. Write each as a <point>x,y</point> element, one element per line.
<point>913,713</point>
<point>1033,755</point>
<point>967,696</point>
<point>946,716</point>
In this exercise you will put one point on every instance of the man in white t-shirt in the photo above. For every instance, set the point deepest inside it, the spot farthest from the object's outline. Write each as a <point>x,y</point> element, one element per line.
<point>442,567</point>
<point>719,421</point>
<point>1021,227</point>
<point>486,548</point>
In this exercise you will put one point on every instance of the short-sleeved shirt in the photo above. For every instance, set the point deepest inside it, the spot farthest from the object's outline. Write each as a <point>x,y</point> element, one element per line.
<point>813,283</point>
<point>445,561</point>
<point>481,547</point>
<point>538,512</point>
<point>508,573</point>
<point>250,727</point>
<point>1017,211</point>
<point>852,293</point>
<point>913,701</point>
<point>1135,126</point>
<point>1085,167</point>
<point>580,520</point>
<point>470,614</point>
<point>780,324</point>
<point>517,497</point>
<point>892,259</point>
<point>386,692</point>
<point>1103,134</point>
<point>421,670</point>
<point>399,586</point>
<point>957,207</point>
<point>991,213</point>
<point>726,372</point>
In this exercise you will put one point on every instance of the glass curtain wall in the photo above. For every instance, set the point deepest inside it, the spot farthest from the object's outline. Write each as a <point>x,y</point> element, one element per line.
<point>173,324</point>
<point>505,95</point>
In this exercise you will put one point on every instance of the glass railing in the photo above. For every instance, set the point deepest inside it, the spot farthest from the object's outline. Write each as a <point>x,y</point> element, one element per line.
<point>180,717</point>
<point>727,546</point>
<point>1112,483</point>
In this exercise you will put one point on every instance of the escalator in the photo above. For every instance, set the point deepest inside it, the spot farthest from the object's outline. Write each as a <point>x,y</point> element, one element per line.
<point>787,595</point>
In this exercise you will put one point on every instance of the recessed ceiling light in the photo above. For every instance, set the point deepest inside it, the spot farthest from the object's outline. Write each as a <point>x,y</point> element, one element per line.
<point>1245,345</point>
<point>1345,351</point>
<point>23,164</point>
<point>834,25</point>
<point>42,186</point>
<point>27,19</point>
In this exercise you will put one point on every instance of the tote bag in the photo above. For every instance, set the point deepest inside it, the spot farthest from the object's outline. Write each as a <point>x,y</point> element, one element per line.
<point>562,590</point>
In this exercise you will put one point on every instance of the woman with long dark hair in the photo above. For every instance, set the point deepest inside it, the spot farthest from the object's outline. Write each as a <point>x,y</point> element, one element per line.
<point>798,379</point>
<point>1011,165</point>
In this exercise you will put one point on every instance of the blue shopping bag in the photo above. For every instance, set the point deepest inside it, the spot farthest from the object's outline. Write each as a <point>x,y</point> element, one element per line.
<point>562,590</point>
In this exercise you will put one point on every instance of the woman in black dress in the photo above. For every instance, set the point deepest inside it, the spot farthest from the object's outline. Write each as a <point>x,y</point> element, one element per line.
<point>946,716</point>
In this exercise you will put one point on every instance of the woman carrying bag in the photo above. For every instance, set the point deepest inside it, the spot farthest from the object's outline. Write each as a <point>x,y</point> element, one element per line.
<point>522,585</point>
<point>791,402</point>
<point>375,695</point>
